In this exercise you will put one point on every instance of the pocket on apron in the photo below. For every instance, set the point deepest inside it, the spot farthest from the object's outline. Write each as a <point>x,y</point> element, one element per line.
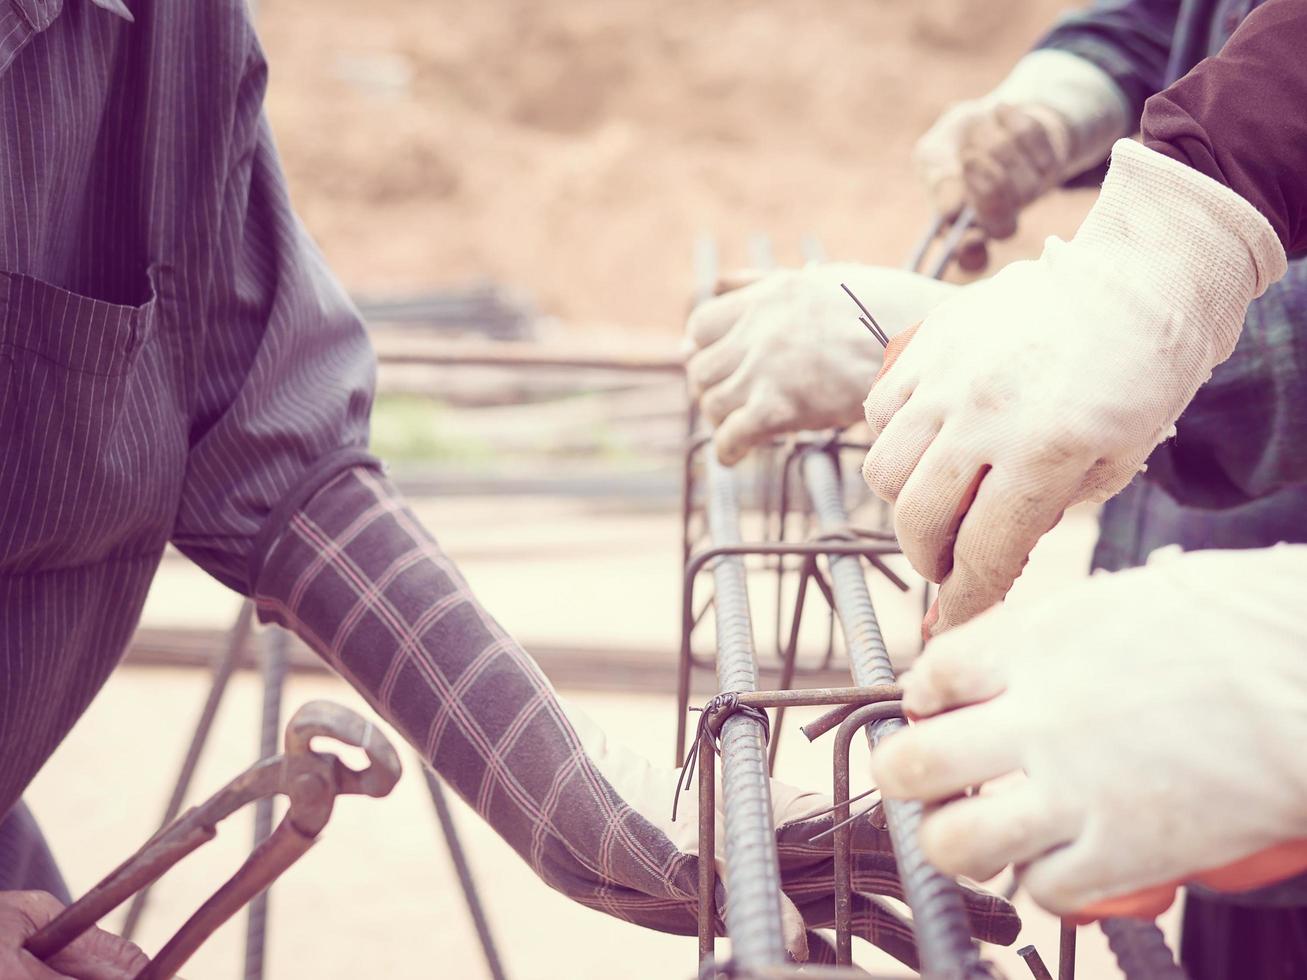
<point>69,486</point>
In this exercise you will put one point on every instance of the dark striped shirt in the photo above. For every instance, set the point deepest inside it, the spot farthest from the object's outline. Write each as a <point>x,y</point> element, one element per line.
<point>177,364</point>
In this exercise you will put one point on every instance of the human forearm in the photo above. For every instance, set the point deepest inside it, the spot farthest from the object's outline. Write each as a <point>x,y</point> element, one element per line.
<point>358,578</point>
<point>1238,117</point>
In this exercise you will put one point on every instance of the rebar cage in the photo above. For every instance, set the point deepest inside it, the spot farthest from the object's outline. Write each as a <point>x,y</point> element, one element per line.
<point>800,483</point>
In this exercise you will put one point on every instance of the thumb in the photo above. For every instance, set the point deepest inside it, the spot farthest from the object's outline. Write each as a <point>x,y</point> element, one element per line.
<point>794,929</point>
<point>100,955</point>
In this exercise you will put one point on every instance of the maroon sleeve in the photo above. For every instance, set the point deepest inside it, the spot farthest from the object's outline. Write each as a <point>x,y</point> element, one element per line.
<point>1241,117</point>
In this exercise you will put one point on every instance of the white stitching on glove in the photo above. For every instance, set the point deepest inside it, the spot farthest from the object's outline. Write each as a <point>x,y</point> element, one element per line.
<point>787,353</point>
<point>1159,715</point>
<point>1051,383</point>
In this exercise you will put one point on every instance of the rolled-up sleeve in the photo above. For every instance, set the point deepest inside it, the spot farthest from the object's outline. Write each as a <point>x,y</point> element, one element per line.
<point>285,379</point>
<point>1239,117</point>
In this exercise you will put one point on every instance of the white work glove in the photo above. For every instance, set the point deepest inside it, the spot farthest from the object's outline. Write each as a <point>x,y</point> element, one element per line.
<point>1053,117</point>
<point>806,869</point>
<point>1159,716</point>
<point>1052,382</point>
<point>788,353</point>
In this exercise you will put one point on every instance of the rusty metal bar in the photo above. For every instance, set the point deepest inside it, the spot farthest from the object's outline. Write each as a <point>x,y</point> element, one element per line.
<point>1036,963</point>
<point>707,848</point>
<point>1066,951</point>
<point>939,913</point>
<point>752,866</point>
<point>843,844</point>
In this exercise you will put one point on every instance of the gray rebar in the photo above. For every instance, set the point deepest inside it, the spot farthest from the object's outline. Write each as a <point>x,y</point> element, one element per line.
<point>276,657</point>
<point>1141,951</point>
<point>939,913</point>
<point>753,910</point>
<point>494,967</point>
<point>223,667</point>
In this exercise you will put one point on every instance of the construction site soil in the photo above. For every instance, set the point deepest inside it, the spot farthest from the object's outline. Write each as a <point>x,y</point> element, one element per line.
<point>575,150</point>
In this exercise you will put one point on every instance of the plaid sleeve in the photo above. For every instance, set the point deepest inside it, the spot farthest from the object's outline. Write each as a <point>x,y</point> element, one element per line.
<point>357,577</point>
<point>1244,435</point>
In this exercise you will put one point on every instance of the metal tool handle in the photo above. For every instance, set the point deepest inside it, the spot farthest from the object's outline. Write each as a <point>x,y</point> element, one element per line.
<point>264,865</point>
<point>140,870</point>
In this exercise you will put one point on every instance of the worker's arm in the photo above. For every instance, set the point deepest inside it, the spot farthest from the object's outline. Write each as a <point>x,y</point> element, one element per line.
<point>282,501</point>
<point>1053,382</point>
<point>1238,118</point>
<point>1129,40</point>
<point>356,575</point>
<point>1136,731</point>
<point>1054,117</point>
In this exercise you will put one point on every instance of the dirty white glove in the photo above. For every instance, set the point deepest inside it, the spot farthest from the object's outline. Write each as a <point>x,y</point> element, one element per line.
<point>788,353</point>
<point>1159,715</point>
<point>1053,117</point>
<point>1051,383</point>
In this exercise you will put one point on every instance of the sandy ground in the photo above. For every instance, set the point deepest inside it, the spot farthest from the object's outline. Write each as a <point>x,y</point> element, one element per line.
<point>378,896</point>
<point>575,150</point>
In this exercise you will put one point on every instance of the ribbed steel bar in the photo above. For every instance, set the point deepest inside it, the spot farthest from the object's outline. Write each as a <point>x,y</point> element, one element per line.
<point>276,663</point>
<point>939,914</point>
<point>224,664</point>
<point>1141,951</point>
<point>494,966</point>
<point>753,912</point>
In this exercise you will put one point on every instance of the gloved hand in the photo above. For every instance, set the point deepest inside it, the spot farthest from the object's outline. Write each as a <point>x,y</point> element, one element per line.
<point>95,955</point>
<point>1051,383</point>
<point>1158,715</point>
<point>807,871</point>
<point>1054,116</point>
<point>788,353</point>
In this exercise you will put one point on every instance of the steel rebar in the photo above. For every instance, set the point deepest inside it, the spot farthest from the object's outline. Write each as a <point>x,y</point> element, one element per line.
<point>471,895</point>
<point>938,911</point>
<point>753,912</point>
<point>1141,951</point>
<point>276,657</point>
<point>223,667</point>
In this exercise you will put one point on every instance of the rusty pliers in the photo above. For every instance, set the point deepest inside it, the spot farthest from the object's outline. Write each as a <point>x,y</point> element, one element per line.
<point>311,780</point>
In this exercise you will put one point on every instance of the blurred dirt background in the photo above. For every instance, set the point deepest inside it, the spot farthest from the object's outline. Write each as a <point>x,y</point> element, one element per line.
<point>576,149</point>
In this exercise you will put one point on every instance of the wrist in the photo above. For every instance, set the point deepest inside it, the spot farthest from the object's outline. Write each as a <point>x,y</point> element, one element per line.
<point>1080,105</point>
<point>1191,250</point>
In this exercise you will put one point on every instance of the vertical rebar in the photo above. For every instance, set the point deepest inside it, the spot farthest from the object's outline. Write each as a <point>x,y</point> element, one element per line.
<point>1066,951</point>
<point>471,896</point>
<point>707,849</point>
<point>753,911</point>
<point>223,666</point>
<point>276,649</point>
<point>939,914</point>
